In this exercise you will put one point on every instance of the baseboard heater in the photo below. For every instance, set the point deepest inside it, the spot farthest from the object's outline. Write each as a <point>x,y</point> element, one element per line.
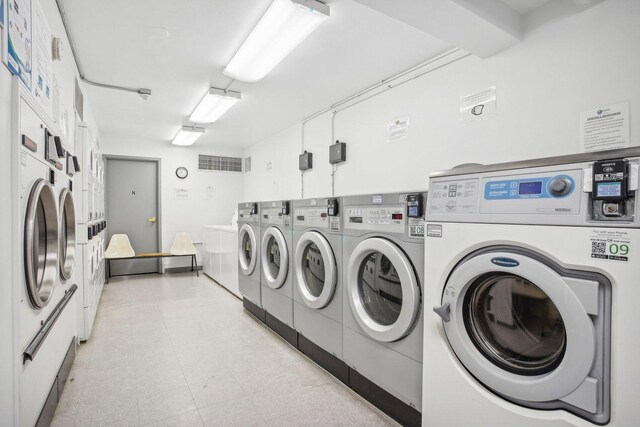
<point>37,341</point>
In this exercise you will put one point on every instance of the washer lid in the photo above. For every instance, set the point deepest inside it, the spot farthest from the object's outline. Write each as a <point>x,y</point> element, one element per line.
<point>41,243</point>
<point>518,326</point>
<point>382,289</point>
<point>247,249</point>
<point>316,270</point>
<point>275,257</point>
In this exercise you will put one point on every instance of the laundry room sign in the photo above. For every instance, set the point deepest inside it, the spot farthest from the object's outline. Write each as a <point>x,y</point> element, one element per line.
<point>477,106</point>
<point>613,245</point>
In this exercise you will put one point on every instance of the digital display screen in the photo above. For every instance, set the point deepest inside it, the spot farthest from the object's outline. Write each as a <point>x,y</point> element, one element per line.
<point>609,189</point>
<point>396,216</point>
<point>526,188</point>
<point>413,211</point>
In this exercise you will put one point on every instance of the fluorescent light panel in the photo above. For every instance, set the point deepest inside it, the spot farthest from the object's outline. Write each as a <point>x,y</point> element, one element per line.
<point>187,135</point>
<point>282,28</point>
<point>214,104</point>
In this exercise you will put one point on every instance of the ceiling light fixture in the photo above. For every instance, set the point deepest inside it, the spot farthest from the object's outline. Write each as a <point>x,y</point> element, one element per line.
<point>187,135</point>
<point>214,104</point>
<point>282,28</point>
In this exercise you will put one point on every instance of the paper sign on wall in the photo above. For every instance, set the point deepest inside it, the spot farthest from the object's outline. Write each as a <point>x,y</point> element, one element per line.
<point>398,129</point>
<point>19,49</point>
<point>42,62</point>
<point>181,194</point>
<point>605,128</point>
<point>478,105</point>
<point>209,193</point>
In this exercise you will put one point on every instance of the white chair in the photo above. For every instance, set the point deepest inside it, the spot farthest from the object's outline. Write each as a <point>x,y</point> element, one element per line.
<point>119,247</point>
<point>183,246</point>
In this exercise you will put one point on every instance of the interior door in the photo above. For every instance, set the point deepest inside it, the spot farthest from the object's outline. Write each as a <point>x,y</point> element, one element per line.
<point>132,209</point>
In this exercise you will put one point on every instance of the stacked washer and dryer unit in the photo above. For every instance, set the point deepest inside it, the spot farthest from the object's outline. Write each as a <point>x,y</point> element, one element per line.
<point>92,228</point>
<point>45,235</point>
<point>533,275</point>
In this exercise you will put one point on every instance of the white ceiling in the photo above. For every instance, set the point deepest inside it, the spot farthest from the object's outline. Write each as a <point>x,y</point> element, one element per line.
<point>524,6</point>
<point>178,48</point>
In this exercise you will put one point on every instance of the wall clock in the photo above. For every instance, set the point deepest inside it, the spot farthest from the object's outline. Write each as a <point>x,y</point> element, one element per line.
<point>182,172</point>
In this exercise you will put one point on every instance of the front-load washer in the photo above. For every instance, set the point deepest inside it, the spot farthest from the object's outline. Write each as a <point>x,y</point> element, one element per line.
<point>276,250</point>
<point>317,285</point>
<point>533,277</point>
<point>45,324</point>
<point>249,258</point>
<point>383,261</point>
<point>68,221</point>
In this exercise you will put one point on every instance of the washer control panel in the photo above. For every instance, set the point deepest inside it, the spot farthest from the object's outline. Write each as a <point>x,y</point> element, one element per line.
<point>312,217</point>
<point>534,187</point>
<point>391,219</point>
<point>248,212</point>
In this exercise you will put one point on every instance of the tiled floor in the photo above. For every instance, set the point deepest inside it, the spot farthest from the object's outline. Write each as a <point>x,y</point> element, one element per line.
<point>176,350</point>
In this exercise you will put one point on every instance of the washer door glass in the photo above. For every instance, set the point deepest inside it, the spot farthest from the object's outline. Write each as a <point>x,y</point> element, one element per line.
<point>515,324</point>
<point>382,289</point>
<point>275,258</point>
<point>247,250</point>
<point>67,234</point>
<point>316,271</point>
<point>41,243</point>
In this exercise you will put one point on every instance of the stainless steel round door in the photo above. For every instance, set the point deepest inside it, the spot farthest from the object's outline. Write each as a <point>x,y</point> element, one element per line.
<point>275,258</point>
<point>247,249</point>
<point>517,326</point>
<point>41,243</point>
<point>316,271</point>
<point>382,289</point>
<point>67,250</point>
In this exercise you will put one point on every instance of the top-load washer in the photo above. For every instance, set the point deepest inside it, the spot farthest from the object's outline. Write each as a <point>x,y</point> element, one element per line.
<point>533,274</point>
<point>249,258</point>
<point>383,259</point>
<point>277,269</point>
<point>317,290</point>
<point>46,321</point>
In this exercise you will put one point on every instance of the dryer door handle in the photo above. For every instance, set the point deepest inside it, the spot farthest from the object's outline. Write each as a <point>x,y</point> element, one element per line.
<point>444,311</point>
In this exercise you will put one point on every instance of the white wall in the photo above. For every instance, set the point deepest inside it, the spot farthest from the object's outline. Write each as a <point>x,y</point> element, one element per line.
<point>66,72</point>
<point>543,83</point>
<point>185,215</point>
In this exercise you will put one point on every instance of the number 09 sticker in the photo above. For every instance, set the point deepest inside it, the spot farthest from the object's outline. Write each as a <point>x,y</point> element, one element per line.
<point>614,245</point>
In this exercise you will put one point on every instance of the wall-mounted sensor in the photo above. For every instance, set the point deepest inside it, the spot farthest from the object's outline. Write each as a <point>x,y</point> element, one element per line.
<point>305,161</point>
<point>338,152</point>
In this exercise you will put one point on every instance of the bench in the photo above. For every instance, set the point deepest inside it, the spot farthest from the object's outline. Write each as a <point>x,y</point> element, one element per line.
<point>194,262</point>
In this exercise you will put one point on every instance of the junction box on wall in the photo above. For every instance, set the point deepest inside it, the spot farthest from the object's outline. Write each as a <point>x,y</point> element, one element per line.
<point>305,161</point>
<point>338,152</point>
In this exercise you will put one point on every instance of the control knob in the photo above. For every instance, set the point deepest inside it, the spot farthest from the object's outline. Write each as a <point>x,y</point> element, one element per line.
<point>560,186</point>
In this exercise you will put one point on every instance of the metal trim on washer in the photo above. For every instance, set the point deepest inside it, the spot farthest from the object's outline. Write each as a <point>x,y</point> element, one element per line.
<point>67,248</point>
<point>247,268</point>
<point>41,290</point>
<point>408,281</point>
<point>278,281</point>
<point>330,270</point>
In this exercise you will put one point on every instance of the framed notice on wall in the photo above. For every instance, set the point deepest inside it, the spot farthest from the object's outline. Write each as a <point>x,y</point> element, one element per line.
<point>19,42</point>
<point>42,62</point>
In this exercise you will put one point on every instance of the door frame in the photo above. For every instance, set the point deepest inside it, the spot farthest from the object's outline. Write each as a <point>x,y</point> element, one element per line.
<point>158,162</point>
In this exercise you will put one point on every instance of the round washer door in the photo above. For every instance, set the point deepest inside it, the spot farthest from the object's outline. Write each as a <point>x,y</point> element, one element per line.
<point>247,249</point>
<point>316,271</point>
<point>67,249</point>
<point>382,289</point>
<point>275,258</point>
<point>517,326</point>
<point>41,243</point>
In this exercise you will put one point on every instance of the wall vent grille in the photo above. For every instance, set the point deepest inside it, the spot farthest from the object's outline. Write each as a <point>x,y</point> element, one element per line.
<point>219,163</point>
<point>247,164</point>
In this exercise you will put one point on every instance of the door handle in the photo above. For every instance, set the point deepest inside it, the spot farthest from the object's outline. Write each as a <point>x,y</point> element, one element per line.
<point>153,219</point>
